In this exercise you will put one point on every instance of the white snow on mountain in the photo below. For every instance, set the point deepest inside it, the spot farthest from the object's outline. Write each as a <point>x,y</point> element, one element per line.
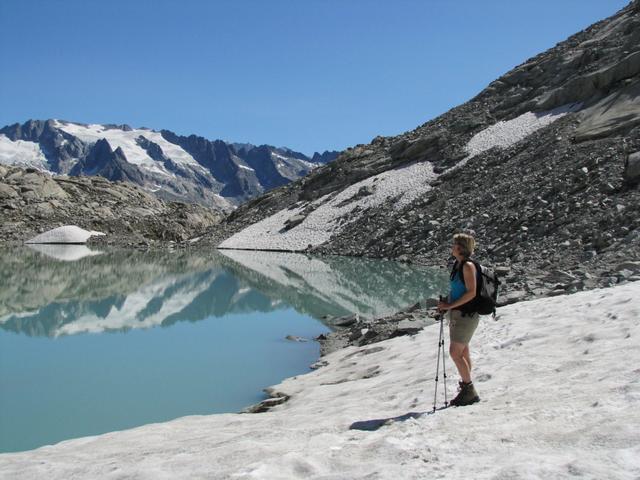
<point>22,153</point>
<point>506,133</point>
<point>127,141</point>
<point>277,155</point>
<point>401,186</point>
<point>560,390</point>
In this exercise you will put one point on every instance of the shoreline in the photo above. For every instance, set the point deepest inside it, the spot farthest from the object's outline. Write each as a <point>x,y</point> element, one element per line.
<point>349,331</point>
<point>577,334</point>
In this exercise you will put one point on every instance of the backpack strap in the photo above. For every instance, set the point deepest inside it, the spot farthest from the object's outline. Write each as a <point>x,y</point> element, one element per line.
<point>458,267</point>
<point>469,307</point>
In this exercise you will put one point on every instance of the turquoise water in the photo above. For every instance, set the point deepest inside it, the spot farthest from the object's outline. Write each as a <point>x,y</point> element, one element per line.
<point>108,341</point>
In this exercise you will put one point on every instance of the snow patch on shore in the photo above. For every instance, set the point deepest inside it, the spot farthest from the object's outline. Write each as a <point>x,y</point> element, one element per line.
<point>65,234</point>
<point>402,185</point>
<point>560,390</point>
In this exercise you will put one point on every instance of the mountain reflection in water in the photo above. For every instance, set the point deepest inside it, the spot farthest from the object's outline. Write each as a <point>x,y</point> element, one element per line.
<point>63,291</point>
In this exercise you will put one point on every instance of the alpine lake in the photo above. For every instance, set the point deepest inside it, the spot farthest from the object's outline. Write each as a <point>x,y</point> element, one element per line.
<point>94,341</point>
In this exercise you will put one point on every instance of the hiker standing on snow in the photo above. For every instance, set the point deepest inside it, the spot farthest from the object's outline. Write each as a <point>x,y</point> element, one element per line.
<point>462,321</point>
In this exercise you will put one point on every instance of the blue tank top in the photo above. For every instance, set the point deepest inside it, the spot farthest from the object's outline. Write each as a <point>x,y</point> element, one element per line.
<point>456,287</point>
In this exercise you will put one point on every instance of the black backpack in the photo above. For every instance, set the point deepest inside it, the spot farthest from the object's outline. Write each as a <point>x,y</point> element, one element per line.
<point>487,283</point>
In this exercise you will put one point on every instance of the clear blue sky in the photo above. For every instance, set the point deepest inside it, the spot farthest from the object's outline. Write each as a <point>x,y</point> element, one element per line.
<point>307,74</point>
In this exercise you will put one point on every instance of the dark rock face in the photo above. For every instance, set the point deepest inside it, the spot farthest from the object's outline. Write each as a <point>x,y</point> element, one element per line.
<point>565,197</point>
<point>259,158</point>
<point>214,156</point>
<point>325,157</point>
<point>106,163</point>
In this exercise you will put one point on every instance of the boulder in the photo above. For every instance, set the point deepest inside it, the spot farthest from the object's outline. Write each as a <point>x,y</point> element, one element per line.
<point>293,222</point>
<point>345,321</point>
<point>616,112</point>
<point>294,338</point>
<point>408,327</point>
<point>7,192</point>
<point>50,189</point>
<point>632,169</point>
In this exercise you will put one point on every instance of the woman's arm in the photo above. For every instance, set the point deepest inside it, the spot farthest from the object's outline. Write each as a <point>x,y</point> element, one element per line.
<point>469,273</point>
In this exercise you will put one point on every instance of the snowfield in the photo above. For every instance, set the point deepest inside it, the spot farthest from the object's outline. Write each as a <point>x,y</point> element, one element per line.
<point>560,388</point>
<point>22,153</point>
<point>127,141</point>
<point>402,185</point>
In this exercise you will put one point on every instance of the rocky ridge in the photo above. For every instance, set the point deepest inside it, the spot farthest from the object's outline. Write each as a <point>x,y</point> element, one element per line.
<point>32,202</point>
<point>173,167</point>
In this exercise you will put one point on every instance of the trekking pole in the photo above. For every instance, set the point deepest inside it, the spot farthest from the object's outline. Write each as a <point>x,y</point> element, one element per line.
<point>444,354</point>
<point>435,393</point>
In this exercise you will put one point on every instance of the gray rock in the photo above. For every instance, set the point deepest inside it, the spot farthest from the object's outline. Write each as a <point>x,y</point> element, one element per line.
<point>346,321</point>
<point>556,276</point>
<point>293,222</point>
<point>412,326</point>
<point>618,111</point>
<point>503,271</point>
<point>366,190</point>
<point>266,405</point>
<point>50,189</point>
<point>295,338</point>
<point>556,292</point>
<point>318,364</point>
<point>511,297</point>
<point>7,191</point>
<point>632,169</point>
<point>633,267</point>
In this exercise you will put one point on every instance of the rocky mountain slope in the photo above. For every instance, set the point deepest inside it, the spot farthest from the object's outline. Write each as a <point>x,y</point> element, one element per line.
<point>32,201</point>
<point>543,166</point>
<point>174,167</point>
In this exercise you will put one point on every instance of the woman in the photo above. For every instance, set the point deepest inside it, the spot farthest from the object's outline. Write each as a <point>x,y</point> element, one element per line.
<point>462,322</point>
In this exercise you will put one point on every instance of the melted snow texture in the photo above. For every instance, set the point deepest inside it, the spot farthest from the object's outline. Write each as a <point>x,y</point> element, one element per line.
<point>401,186</point>
<point>557,402</point>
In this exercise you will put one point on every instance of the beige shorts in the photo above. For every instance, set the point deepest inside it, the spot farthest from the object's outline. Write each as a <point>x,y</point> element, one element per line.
<point>461,328</point>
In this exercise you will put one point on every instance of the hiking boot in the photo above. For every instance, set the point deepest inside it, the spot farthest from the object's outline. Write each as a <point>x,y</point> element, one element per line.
<point>466,396</point>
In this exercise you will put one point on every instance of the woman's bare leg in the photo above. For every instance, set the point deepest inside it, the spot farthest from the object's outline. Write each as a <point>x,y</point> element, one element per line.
<point>467,356</point>
<point>456,350</point>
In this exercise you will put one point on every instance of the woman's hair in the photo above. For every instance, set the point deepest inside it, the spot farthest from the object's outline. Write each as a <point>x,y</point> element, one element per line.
<point>466,242</point>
